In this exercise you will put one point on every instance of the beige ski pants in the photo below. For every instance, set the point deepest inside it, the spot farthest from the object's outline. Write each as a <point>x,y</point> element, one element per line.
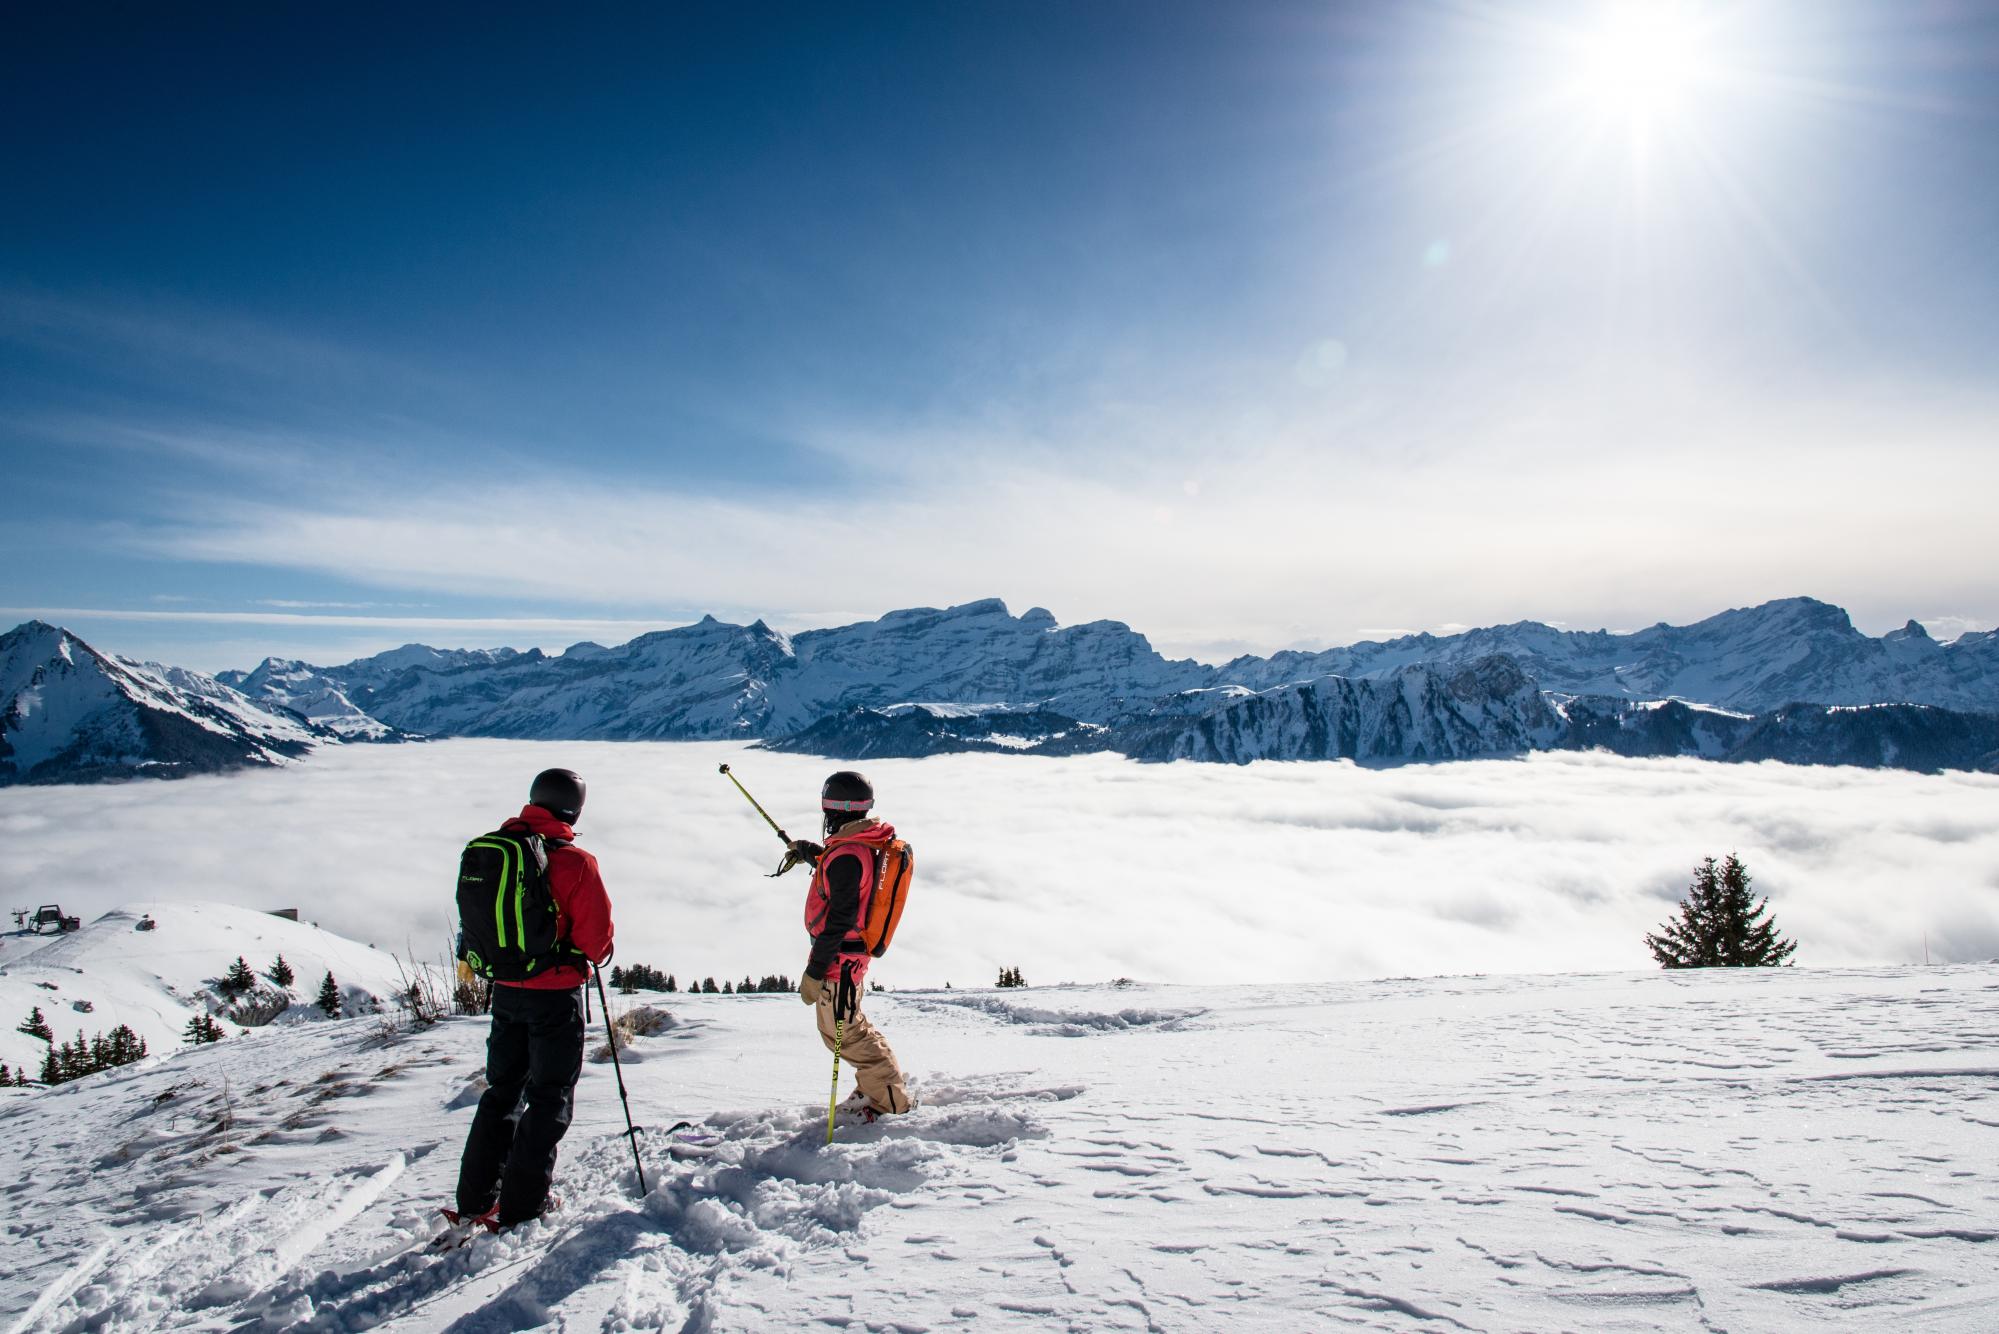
<point>863,1047</point>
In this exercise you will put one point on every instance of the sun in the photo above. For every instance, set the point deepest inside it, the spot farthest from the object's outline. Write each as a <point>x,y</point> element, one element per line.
<point>1642,63</point>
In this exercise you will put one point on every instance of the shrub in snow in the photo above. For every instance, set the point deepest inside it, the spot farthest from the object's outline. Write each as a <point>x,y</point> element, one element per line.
<point>472,994</point>
<point>258,1007</point>
<point>1721,924</point>
<point>202,1029</point>
<point>643,1021</point>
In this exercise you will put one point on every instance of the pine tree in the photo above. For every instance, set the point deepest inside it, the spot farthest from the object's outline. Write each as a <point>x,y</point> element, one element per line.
<point>37,1027</point>
<point>728,988</point>
<point>1721,924</point>
<point>281,974</point>
<point>708,987</point>
<point>51,1069</point>
<point>6,1075</point>
<point>202,1029</point>
<point>237,980</point>
<point>329,996</point>
<point>671,985</point>
<point>75,1058</point>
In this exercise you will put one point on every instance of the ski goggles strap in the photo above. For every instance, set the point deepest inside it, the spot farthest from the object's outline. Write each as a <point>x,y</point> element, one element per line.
<point>830,804</point>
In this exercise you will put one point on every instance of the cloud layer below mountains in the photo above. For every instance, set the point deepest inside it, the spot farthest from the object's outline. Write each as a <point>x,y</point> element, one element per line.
<point>1076,869</point>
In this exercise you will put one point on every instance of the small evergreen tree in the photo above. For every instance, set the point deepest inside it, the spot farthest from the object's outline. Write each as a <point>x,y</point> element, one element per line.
<point>728,988</point>
<point>1010,977</point>
<point>671,985</point>
<point>202,1029</point>
<point>1721,924</point>
<point>237,980</point>
<point>329,996</point>
<point>281,974</point>
<point>51,1068</point>
<point>37,1027</point>
<point>6,1075</point>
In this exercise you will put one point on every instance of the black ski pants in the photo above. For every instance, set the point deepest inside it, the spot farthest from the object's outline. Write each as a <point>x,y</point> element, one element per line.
<point>533,1058</point>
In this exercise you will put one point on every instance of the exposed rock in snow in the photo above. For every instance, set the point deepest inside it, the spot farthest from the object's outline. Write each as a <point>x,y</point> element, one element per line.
<point>1485,707</point>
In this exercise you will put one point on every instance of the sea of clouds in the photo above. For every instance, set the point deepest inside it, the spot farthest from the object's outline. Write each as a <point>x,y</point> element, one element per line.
<point>1079,869</point>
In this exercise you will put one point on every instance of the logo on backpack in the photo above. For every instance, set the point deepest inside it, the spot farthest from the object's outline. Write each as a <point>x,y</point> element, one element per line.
<point>506,915</point>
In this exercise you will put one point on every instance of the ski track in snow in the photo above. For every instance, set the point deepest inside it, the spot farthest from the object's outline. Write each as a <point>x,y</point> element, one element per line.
<point>1781,1150</point>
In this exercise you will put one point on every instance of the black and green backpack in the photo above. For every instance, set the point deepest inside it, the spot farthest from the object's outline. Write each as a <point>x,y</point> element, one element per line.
<point>506,914</point>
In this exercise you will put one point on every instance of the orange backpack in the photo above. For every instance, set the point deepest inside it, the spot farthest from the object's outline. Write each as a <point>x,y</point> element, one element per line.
<point>894,864</point>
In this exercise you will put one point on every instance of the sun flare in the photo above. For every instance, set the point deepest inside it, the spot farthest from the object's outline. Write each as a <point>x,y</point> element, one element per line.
<point>1643,63</point>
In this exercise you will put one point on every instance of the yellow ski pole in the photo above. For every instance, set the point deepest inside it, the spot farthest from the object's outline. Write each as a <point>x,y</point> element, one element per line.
<point>786,838</point>
<point>839,1031</point>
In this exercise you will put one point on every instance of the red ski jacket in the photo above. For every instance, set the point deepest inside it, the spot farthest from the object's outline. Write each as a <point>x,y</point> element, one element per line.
<point>582,908</point>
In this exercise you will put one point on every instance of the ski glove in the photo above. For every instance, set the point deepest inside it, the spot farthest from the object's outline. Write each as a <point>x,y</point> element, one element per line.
<point>810,989</point>
<point>800,852</point>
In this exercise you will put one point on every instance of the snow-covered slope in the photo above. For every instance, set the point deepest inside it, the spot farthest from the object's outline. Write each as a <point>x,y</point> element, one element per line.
<point>1770,1150</point>
<point>69,714</point>
<point>307,691</point>
<point>112,973</point>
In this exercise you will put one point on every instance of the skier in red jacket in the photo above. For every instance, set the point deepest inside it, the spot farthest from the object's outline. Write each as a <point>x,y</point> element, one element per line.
<point>534,1053</point>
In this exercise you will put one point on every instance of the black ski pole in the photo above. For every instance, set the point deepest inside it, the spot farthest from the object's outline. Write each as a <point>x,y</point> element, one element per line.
<point>611,1032</point>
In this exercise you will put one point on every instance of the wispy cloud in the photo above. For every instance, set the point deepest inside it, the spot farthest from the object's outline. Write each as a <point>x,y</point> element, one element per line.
<point>1287,537</point>
<point>529,625</point>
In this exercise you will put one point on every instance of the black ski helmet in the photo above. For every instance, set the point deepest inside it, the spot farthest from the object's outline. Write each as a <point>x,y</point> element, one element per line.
<point>559,792</point>
<point>847,791</point>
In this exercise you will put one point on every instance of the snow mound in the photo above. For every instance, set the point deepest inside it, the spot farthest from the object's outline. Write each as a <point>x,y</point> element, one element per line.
<point>1044,1021</point>
<point>154,980</point>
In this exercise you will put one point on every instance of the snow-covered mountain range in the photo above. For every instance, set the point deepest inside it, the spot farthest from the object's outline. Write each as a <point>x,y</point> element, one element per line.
<point>1761,682</point>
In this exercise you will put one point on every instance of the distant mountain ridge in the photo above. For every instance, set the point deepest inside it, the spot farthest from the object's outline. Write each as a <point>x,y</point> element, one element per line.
<point>71,714</point>
<point>928,679</point>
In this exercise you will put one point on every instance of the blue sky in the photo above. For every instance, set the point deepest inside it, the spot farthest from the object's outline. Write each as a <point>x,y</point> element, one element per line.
<point>1250,324</point>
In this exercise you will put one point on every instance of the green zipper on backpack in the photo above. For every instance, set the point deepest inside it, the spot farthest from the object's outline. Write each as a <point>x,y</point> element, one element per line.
<point>506,852</point>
